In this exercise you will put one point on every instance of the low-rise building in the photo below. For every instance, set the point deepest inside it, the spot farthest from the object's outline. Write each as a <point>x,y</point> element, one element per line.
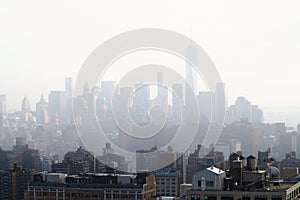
<point>94,186</point>
<point>168,182</point>
<point>275,191</point>
<point>210,178</point>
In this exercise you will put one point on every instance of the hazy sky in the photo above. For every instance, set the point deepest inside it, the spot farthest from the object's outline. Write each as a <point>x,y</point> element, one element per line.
<point>254,44</point>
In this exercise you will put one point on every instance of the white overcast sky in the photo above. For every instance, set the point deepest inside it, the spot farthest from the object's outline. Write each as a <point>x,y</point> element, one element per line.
<point>254,44</point>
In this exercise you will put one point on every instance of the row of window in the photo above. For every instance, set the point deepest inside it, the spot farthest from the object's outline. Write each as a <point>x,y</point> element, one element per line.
<point>165,179</point>
<point>231,197</point>
<point>82,195</point>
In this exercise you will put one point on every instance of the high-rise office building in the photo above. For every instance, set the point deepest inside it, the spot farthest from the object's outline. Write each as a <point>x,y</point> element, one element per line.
<point>162,92</point>
<point>58,107</point>
<point>206,106</point>
<point>190,76</point>
<point>3,110</point>
<point>69,86</point>
<point>107,92</point>
<point>190,72</point>
<point>177,101</point>
<point>107,89</point>
<point>256,114</point>
<point>69,94</point>
<point>124,104</point>
<point>26,110</point>
<point>142,96</point>
<point>243,108</point>
<point>220,102</point>
<point>41,113</point>
<point>298,141</point>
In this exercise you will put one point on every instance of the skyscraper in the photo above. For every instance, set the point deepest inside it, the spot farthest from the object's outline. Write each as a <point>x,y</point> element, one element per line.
<point>142,95</point>
<point>3,109</point>
<point>162,92</point>
<point>26,110</point>
<point>107,88</point>
<point>243,108</point>
<point>190,72</point>
<point>191,108</point>
<point>220,102</point>
<point>69,86</point>
<point>57,106</point>
<point>124,103</point>
<point>206,106</point>
<point>177,101</point>
<point>41,108</point>
<point>69,95</point>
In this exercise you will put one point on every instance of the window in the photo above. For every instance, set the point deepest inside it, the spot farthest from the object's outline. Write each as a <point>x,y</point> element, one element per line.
<point>195,197</point>
<point>210,197</point>
<point>199,183</point>
<point>276,197</point>
<point>226,197</point>
<point>261,197</point>
<point>209,184</point>
<point>246,197</point>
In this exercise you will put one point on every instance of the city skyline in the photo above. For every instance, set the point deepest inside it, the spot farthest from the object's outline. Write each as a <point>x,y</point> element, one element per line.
<point>271,114</point>
<point>149,100</point>
<point>247,50</point>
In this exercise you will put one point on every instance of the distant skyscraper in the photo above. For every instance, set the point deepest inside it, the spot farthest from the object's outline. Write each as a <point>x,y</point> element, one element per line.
<point>294,141</point>
<point>298,141</point>
<point>58,106</point>
<point>107,88</point>
<point>162,92</point>
<point>124,103</point>
<point>142,95</point>
<point>256,114</point>
<point>220,102</point>
<point>69,86</point>
<point>91,104</point>
<point>26,110</point>
<point>286,144</point>
<point>231,114</point>
<point>243,108</point>
<point>177,101</point>
<point>190,73</point>
<point>245,111</point>
<point>3,110</point>
<point>69,94</point>
<point>41,108</point>
<point>206,106</point>
<point>25,105</point>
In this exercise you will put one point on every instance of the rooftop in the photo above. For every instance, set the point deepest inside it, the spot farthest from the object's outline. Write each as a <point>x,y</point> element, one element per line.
<point>280,185</point>
<point>215,170</point>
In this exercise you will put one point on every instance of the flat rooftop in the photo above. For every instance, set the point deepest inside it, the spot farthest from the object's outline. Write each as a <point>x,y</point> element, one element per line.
<point>280,186</point>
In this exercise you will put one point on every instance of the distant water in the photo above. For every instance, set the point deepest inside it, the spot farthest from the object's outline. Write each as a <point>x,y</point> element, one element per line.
<point>290,115</point>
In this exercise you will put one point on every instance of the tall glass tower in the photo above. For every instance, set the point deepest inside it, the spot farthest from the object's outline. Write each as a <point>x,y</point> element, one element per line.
<point>190,75</point>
